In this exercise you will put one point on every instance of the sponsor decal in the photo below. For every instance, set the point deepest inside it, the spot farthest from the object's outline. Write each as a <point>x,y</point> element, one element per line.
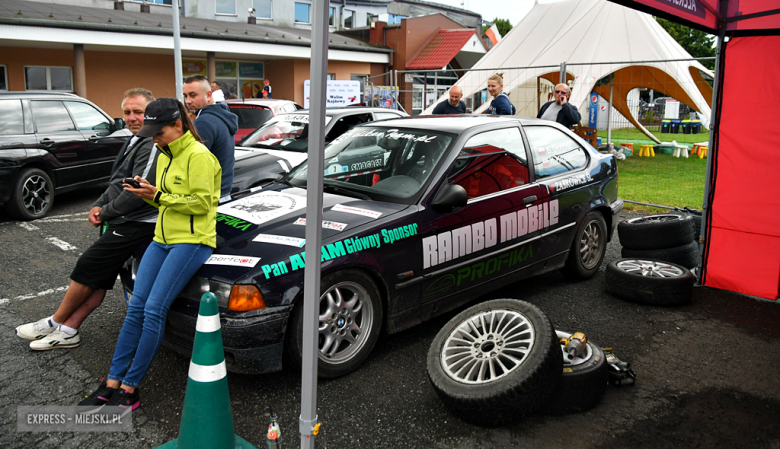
<point>356,211</point>
<point>336,226</point>
<point>688,6</point>
<point>390,134</point>
<point>450,245</point>
<point>477,271</point>
<point>343,248</point>
<point>570,182</point>
<point>234,222</point>
<point>235,261</point>
<point>280,240</point>
<point>263,207</point>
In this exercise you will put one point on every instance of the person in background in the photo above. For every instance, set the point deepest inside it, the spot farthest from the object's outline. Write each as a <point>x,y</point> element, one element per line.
<point>560,110</point>
<point>216,126</point>
<point>265,95</point>
<point>500,104</point>
<point>375,101</point>
<point>130,228</point>
<point>454,105</point>
<point>184,237</point>
<point>216,91</point>
<point>267,88</point>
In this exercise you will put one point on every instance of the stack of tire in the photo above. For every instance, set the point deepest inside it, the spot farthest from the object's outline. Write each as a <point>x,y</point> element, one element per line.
<point>501,360</point>
<point>658,251</point>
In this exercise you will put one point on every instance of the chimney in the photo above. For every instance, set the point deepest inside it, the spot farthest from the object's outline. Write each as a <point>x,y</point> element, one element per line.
<point>119,6</point>
<point>251,19</point>
<point>145,7</point>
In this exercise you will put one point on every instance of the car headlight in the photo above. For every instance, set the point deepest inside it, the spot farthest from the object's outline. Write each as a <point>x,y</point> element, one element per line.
<point>240,298</point>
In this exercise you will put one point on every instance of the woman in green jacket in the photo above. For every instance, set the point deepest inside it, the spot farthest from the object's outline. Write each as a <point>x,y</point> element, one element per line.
<point>188,179</point>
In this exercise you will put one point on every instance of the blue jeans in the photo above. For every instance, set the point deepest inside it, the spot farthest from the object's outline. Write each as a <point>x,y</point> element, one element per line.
<point>162,275</point>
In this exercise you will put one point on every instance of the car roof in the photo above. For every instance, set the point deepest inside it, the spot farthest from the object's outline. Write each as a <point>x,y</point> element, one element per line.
<point>38,94</point>
<point>258,101</point>
<point>455,123</point>
<point>345,111</point>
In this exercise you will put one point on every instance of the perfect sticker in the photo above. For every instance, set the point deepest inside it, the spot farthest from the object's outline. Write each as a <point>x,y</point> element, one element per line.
<point>234,261</point>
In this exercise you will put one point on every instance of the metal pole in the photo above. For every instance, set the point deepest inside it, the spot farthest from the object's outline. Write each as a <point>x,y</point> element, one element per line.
<point>398,91</point>
<point>314,179</point>
<point>177,51</point>
<point>609,115</point>
<point>562,78</point>
<point>713,129</point>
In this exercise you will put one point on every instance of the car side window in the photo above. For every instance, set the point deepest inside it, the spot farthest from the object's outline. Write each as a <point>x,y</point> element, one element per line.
<point>51,116</point>
<point>87,117</point>
<point>343,124</point>
<point>385,115</point>
<point>13,120</point>
<point>554,151</point>
<point>289,108</point>
<point>491,162</point>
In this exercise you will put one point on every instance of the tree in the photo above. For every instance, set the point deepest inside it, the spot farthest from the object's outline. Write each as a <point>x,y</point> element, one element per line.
<point>503,26</point>
<point>698,43</point>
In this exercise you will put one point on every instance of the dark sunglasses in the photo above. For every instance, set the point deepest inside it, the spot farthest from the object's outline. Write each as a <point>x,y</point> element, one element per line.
<point>561,92</point>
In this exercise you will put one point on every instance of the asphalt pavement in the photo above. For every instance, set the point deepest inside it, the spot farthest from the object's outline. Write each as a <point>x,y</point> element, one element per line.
<point>704,371</point>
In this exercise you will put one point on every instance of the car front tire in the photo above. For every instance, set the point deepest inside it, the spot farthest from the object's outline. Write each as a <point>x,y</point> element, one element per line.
<point>349,322</point>
<point>33,195</point>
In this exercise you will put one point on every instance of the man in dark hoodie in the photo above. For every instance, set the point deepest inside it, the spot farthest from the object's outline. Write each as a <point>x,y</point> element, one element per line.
<point>216,126</point>
<point>130,229</point>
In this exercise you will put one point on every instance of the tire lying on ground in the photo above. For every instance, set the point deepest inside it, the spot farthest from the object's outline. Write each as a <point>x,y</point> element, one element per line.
<point>495,362</point>
<point>656,231</point>
<point>686,255</point>
<point>582,384</point>
<point>651,282</point>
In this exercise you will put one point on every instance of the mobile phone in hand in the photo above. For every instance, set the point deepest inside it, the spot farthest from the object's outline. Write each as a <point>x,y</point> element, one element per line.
<point>132,182</point>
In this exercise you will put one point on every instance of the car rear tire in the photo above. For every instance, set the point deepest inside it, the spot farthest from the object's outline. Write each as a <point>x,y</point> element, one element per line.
<point>583,382</point>
<point>656,231</point>
<point>686,255</point>
<point>350,319</point>
<point>650,282</point>
<point>33,195</point>
<point>588,248</point>
<point>495,362</point>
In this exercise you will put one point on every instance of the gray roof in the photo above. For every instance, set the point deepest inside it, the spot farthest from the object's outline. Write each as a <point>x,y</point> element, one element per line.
<point>19,12</point>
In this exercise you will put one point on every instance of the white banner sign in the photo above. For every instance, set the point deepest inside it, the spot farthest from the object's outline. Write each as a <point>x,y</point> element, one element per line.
<point>339,93</point>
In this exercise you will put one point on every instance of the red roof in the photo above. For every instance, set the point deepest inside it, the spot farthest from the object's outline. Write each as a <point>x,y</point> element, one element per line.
<point>440,49</point>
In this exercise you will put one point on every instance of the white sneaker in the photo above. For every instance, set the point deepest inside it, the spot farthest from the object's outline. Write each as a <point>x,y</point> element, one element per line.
<point>56,339</point>
<point>35,331</point>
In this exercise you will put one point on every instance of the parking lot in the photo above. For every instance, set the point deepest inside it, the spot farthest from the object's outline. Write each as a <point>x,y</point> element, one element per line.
<point>704,371</point>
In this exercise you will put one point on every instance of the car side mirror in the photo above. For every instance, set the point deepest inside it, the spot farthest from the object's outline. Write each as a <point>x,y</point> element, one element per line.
<point>119,124</point>
<point>449,197</point>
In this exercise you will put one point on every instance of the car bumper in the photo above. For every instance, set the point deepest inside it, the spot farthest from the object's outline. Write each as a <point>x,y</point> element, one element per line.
<point>7,181</point>
<point>252,342</point>
<point>616,207</point>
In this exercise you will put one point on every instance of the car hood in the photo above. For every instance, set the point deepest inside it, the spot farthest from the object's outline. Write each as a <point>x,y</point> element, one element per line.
<point>268,226</point>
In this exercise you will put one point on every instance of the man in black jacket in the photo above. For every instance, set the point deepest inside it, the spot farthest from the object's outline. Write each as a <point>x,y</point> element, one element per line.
<point>560,110</point>
<point>130,229</point>
<point>453,106</point>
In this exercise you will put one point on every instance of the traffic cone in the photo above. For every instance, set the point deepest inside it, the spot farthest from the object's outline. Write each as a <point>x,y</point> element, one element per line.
<point>206,420</point>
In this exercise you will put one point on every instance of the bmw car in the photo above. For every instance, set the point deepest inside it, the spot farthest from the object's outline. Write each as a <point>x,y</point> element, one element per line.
<point>421,215</point>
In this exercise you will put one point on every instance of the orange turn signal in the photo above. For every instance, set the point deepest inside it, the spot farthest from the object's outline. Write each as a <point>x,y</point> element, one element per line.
<point>244,298</point>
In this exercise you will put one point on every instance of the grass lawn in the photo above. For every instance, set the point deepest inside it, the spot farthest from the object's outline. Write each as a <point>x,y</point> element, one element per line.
<point>634,135</point>
<point>663,180</point>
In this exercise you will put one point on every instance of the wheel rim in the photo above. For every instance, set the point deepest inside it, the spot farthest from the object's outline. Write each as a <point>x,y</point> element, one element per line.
<point>650,268</point>
<point>590,245</point>
<point>661,218</point>
<point>487,347</point>
<point>568,359</point>
<point>35,194</point>
<point>346,319</point>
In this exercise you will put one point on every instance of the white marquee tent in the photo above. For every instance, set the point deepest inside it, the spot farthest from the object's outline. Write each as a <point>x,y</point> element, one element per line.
<point>591,32</point>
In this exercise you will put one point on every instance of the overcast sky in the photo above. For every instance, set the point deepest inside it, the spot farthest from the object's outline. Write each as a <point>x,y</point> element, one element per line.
<point>514,10</point>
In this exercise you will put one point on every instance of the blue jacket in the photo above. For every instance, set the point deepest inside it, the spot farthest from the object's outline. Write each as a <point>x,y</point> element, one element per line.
<point>501,106</point>
<point>216,125</point>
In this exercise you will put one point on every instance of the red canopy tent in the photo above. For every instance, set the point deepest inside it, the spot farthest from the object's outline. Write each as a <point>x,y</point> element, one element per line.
<point>741,238</point>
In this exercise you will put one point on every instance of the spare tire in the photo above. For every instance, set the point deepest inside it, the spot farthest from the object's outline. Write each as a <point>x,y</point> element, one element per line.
<point>656,231</point>
<point>583,382</point>
<point>649,282</point>
<point>495,362</point>
<point>686,255</point>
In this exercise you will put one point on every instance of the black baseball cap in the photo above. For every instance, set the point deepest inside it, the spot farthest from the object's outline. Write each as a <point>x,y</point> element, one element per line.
<point>159,113</point>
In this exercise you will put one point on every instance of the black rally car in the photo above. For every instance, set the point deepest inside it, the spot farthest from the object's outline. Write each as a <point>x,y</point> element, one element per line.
<point>421,215</point>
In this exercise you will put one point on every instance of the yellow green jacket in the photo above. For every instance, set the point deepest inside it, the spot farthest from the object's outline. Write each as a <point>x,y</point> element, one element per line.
<point>188,183</point>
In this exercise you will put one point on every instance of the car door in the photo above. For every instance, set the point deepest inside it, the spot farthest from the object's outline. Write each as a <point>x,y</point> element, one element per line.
<point>491,236</point>
<point>13,140</point>
<point>103,144</point>
<point>57,136</point>
<point>560,166</point>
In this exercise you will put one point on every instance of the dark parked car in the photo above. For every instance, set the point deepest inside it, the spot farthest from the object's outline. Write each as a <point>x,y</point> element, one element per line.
<point>52,143</point>
<point>253,112</point>
<point>282,142</point>
<point>421,215</point>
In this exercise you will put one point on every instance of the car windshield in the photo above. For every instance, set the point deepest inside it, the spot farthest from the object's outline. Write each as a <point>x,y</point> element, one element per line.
<point>251,116</point>
<point>380,162</point>
<point>289,132</point>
